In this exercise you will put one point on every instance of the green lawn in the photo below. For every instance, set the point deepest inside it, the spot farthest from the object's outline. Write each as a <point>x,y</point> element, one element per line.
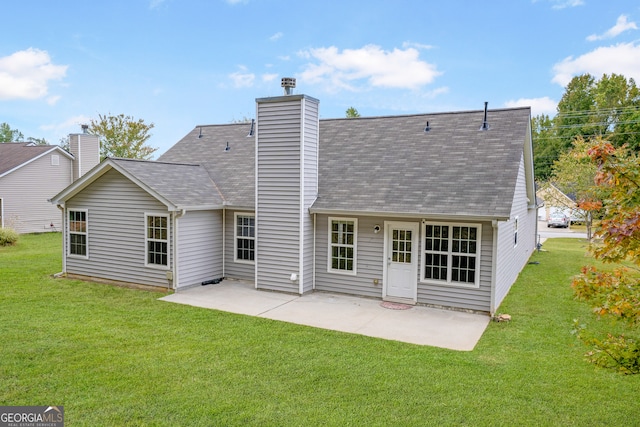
<point>118,357</point>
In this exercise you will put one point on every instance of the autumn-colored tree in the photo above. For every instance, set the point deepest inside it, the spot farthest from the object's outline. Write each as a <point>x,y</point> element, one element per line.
<point>615,294</point>
<point>122,136</point>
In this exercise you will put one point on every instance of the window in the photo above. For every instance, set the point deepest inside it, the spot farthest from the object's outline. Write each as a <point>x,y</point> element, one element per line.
<point>342,245</point>
<point>55,160</point>
<point>515,232</point>
<point>245,238</point>
<point>157,238</point>
<point>451,253</point>
<point>77,227</point>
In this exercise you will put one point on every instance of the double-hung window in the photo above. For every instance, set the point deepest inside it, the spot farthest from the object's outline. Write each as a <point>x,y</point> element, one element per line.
<point>343,234</point>
<point>245,237</point>
<point>157,240</point>
<point>451,254</point>
<point>77,228</point>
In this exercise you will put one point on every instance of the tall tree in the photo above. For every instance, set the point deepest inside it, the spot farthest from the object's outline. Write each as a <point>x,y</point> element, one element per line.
<point>122,136</point>
<point>544,146</point>
<point>352,113</point>
<point>10,135</point>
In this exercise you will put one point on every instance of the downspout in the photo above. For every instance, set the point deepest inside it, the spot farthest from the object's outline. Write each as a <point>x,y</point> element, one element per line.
<point>313,273</point>
<point>494,268</point>
<point>174,271</point>
<point>224,246</point>
<point>64,239</point>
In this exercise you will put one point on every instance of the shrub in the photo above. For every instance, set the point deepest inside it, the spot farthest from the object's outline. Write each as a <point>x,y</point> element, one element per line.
<point>8,236</point>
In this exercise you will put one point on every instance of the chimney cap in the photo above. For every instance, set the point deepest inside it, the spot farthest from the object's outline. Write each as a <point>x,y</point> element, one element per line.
<point>288,83</point>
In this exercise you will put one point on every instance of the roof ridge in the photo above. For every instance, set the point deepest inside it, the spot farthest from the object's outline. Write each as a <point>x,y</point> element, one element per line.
<point>441,113</point>
<point>153,161</point>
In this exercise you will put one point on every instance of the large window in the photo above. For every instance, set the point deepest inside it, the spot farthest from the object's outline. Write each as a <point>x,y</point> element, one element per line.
<point>77,227</point>
<point>157,239</point>
<point>245,237</point>
<point>342,245</point>
<point>451,253</point>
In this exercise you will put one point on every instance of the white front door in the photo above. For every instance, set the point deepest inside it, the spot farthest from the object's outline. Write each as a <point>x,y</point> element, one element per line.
<point>401,252</point>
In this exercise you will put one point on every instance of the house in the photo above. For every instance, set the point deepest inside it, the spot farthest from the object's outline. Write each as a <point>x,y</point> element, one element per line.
<point>434,209</point>
<point>30,173</point>
<point>554,200</point>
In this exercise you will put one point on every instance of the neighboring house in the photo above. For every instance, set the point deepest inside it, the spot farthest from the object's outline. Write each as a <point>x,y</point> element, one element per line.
<point>555,201</point>
<point>434,209</point>
<point>31,173</point>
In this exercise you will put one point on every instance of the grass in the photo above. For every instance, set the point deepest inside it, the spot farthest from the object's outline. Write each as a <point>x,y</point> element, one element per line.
<point>115,356</point>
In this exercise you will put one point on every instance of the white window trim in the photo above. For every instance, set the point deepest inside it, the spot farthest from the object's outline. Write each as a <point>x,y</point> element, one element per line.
<point>146,241</point>
<point>86,233</point>
<point>515,232</point>
<point>235,237</point>
<point>448,282</point>
<point>355,246</point>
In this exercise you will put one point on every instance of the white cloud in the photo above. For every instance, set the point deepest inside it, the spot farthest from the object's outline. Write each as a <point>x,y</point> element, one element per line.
<point>155,3</point>
<point>63,129</point>
<point>276,36</point>
<point>26,74</point>
<point>622,58</point>
<point>242,78</point>
<point>269,77</point>
<point>562,4</point>
<point>544,105</point>
<point>621,26</point>
<point>387,69</point>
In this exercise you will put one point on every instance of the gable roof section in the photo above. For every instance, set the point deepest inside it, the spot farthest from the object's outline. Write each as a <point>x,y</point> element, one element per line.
<point>178,186</point>
<point>14,155</point>
<point>233,171</point>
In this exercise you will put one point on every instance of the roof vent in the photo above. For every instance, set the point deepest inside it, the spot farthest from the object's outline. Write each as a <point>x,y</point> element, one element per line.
<point>485,123</point>
<point>200,132</point>
<point>288,83</point>
<point>251,130</point>
<point>227,148</point>
<point>427,128</point>
<point>85,128</point>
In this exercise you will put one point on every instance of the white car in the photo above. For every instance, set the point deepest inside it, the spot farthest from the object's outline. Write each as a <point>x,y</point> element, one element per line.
<point>558,219</point>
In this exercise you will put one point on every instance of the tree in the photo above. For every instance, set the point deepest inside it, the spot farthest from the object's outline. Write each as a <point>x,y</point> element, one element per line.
<point>10,135</point>
<point>574,173</point>
<point>615,294</point>
<point>122,136</point>
<point>544,146</point>
<point>352,113</point>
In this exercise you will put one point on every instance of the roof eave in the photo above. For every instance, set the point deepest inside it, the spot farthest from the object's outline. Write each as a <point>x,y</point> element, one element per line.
<point>418,215</point>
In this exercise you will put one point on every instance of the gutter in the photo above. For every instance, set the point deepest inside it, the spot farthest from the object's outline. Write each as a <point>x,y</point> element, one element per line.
<point>174,271</point>
<point>438,216</point>
<point>64,238</point>
<point>494,267</point>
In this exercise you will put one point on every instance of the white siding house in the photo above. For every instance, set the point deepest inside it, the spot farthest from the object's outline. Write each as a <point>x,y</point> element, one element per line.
<point>433,209</point>
<point>30,174</point>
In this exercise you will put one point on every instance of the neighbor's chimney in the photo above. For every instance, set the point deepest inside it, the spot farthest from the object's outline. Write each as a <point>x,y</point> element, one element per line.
<point>288,83</point>
<point>86,151</point>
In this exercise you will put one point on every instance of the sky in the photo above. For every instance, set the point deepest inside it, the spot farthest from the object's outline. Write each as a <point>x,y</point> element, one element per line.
<point>183,63</point>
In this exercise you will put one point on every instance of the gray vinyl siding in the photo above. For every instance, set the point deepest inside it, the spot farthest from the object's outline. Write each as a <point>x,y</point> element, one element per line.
<point>281,223</point>
<point>25,193</point>
<point>477,299</point>
<point>370,265</point>
<point>369,259</point>
<point>512,258</point>
<point>199,247</point>
<point>310,189</point>
<point>116,232</point>
<point>233,269</point>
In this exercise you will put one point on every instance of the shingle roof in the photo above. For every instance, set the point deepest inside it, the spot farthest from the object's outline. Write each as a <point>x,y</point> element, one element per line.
<point>184,185</point>
<point>385,164</point>
<point>14,154</point>
<point>232,170</point>
<point>391,165</point>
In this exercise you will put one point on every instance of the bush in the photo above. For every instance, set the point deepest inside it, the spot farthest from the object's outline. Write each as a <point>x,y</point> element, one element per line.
<point>8,236</point>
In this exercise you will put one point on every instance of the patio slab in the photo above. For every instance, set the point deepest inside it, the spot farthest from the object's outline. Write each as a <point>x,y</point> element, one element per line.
<point>450,329</point>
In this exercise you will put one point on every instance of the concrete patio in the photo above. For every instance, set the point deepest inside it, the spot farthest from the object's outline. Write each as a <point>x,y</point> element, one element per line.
<point>449,329</point>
